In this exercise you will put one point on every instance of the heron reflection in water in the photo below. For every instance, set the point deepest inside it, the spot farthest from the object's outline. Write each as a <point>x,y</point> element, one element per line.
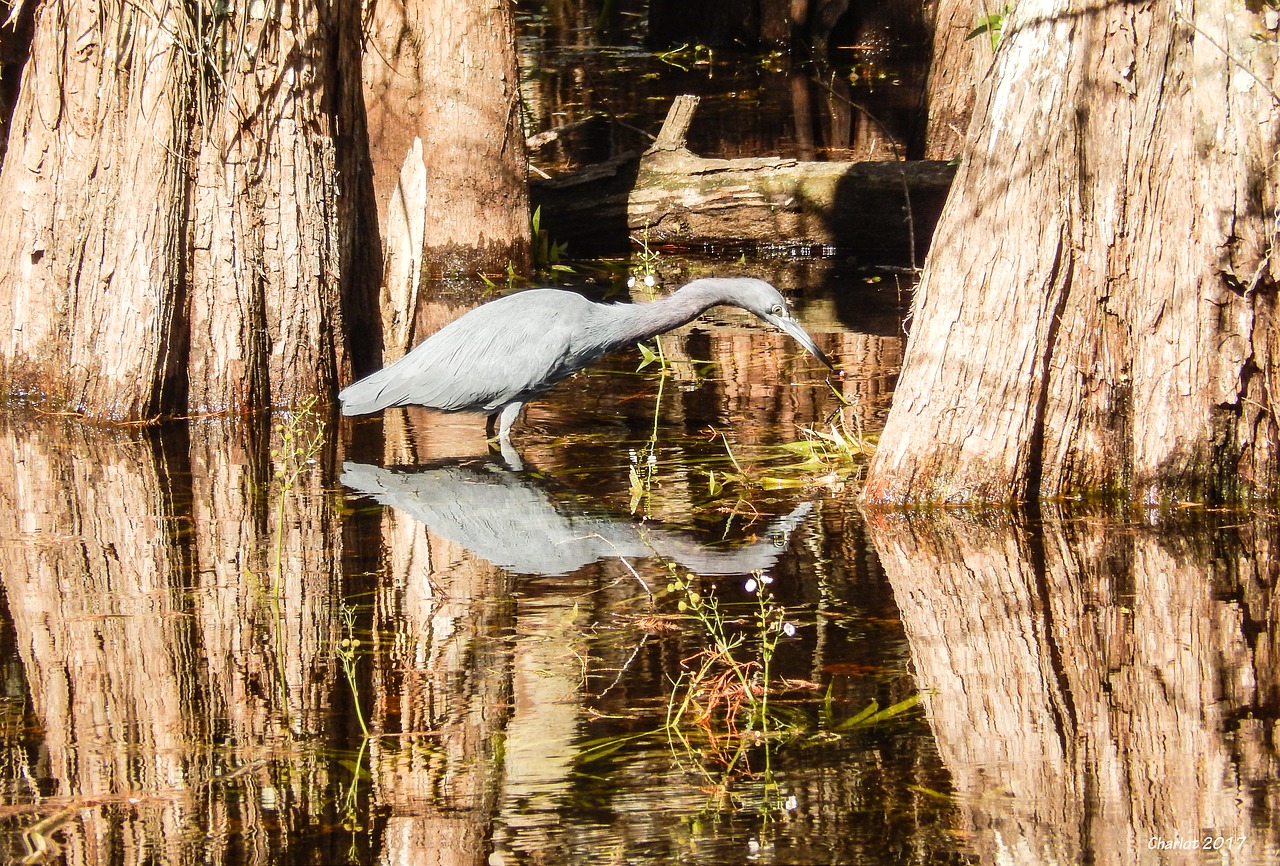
<point>513,521</point>
<point>506,352</point>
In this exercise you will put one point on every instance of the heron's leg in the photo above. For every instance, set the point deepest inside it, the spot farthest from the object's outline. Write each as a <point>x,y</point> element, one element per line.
<point>508,417</point>
<point>505,419</point>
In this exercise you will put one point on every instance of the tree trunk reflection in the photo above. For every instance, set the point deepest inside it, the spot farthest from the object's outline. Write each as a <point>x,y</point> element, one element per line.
<point>440,697</point>
<point>1076,677</point>
<point>96,602</point>
<point>151,631</point>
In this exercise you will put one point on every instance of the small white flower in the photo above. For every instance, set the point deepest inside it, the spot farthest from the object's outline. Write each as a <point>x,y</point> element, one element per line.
<point>631,281</point>
<point>791,803</point>
<point>766,579</point>
<point>789,629</point>
<point>750,585</point>
<point>649,280</point>
<point>653,460</point>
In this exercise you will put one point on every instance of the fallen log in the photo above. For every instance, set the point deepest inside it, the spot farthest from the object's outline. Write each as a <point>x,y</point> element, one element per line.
<point>877,211</point>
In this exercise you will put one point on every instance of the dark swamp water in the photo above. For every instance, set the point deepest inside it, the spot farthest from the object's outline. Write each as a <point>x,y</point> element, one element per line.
<point>321,641</point>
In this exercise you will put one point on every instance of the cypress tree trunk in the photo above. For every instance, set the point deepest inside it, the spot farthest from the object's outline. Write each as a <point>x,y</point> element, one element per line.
<point>165,246</point>
<point>1098,310</point>
<point>91,231</point>
<point>958,67</point>
<point>445,72</point>
<point>266,308</point>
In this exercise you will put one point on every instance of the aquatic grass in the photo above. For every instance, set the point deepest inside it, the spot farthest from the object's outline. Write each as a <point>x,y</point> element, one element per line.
<point>346,651</point>
<point>728,680</point>
<point>872,715</point>
<point>548,255</point>
<point>774,467</point>
<point>728,713</point>
<point>349,805</point>
<point>645,275</point>
<point>843,440</point>
<point>693,55</point>
<point>643,470</point>
<point>301,438</point>
<point>744,683</point>
<point>739,476</point>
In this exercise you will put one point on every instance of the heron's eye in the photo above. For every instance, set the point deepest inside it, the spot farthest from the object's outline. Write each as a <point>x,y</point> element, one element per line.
<point>779,310</point>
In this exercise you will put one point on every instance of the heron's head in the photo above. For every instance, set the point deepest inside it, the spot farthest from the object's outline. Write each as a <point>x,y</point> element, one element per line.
<point>758,297</point>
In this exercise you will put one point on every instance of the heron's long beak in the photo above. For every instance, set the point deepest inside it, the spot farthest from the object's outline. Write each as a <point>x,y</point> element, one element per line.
<point>792,328</point>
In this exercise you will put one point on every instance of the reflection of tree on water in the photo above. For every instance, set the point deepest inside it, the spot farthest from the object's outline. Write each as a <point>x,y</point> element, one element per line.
<point>558,675</point>
<point>147,635</point>
<point>513,522</point>
<point>181,718</point>
<point>1096,693</point>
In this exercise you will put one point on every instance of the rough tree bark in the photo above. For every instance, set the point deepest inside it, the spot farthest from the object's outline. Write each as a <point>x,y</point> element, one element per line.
<point>959,64</point>
<point>1097,313</point>
<point>91,228</point>
<point>445,72</point>
<point>266,305</point>
<point>162,248</point>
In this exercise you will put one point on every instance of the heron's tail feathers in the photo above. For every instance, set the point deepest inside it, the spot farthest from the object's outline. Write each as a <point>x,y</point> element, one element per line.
<point>368,395</point>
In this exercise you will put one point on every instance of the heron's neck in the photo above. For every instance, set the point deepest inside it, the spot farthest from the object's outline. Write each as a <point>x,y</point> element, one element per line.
<point>630,323</point>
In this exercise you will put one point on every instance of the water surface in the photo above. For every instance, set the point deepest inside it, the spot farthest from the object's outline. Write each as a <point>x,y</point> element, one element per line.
<point>374,642</point>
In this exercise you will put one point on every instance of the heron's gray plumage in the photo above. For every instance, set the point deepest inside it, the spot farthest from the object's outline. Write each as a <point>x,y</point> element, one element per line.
<point>508,351</point>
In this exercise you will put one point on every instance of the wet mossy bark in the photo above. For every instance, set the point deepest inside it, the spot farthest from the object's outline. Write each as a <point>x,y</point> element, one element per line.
<point>1097,313</point>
